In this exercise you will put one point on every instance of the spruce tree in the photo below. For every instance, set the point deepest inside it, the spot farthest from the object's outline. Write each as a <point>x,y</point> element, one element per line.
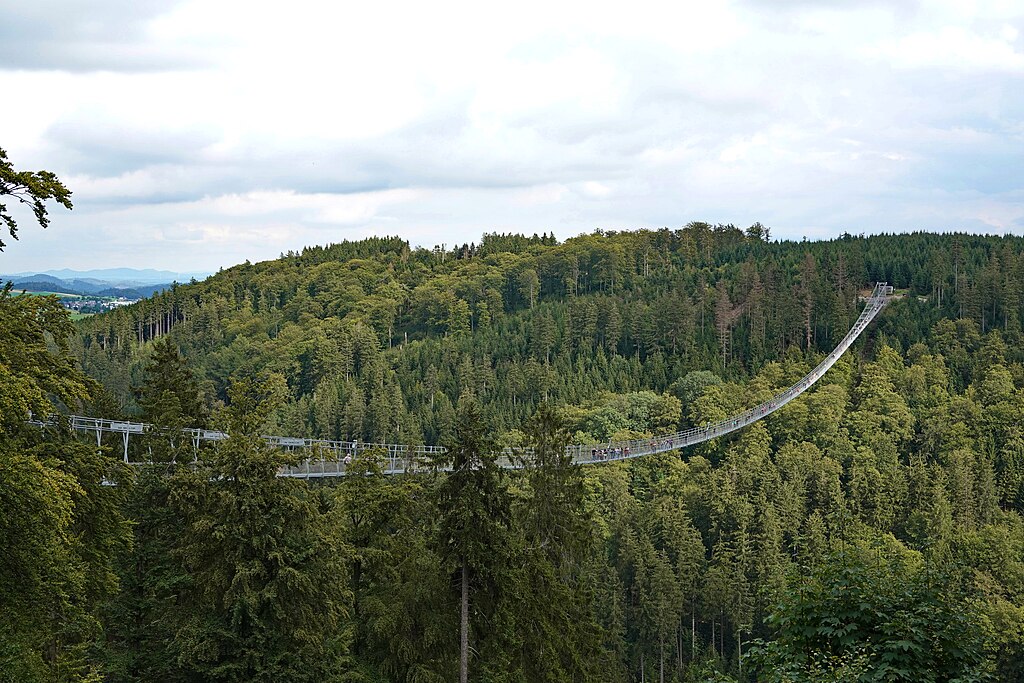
<point>474,521</point>
<point>170,396</point>
<point>142,618</point>
<point>269,587</point>
<point>549,591</point>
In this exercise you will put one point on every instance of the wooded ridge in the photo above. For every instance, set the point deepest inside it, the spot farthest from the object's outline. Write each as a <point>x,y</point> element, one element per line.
<point>869,530</point>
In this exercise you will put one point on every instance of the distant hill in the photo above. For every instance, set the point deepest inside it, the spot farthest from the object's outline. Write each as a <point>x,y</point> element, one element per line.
<point>42,282</point>
<point>38,279</point>
<point>137,292</point>
<point>517,320</point>
<point>40,285</point>
<point>111,277</point>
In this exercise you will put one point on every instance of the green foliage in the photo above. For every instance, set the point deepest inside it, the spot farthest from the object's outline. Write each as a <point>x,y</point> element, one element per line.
<point>268,591</point>
<point>33,188</point>
<point>873,618</point>
<point>170,396</point>
<point>61,528</point>
<point>474,519</point>
<point>29,373</point>
<point>471,497</point>
<point>142,618</point>
<point>667,566</point>
<point>551,633</point>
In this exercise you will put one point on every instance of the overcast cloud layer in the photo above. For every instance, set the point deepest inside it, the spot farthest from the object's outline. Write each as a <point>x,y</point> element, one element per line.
<point>196,135</point>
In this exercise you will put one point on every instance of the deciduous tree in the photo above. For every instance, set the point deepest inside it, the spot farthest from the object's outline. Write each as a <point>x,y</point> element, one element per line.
<point>32,188</point>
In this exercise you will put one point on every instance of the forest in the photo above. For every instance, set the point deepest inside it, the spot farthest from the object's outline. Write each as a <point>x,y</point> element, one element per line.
<point>871,530</point>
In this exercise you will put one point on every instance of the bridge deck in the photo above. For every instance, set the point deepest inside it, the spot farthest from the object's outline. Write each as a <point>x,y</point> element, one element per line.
<point>328,458</point>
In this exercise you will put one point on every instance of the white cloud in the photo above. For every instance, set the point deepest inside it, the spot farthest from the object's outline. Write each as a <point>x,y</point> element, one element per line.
<point>551,193</point>
<point>954,47</point>
<point>594,189</point>
<point>338,209</point>
<point>212,131</point>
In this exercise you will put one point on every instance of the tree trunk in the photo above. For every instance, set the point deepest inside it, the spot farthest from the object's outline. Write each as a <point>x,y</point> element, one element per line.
<point>693,635</point>
<point>661,660</point>
<point>679,646</point>
<point>357,577</point>
<point>464,628</point>
<point>739,651</point>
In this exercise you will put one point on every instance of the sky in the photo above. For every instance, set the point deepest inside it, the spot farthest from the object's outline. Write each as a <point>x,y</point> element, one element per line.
<point>196,135</point>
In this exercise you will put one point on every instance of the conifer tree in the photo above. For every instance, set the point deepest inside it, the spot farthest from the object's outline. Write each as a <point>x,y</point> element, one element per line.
<point>142,617</point>
<point>268,572</point>
<point>549,592</point>
<point>474,520</point>
<point>170,394</point>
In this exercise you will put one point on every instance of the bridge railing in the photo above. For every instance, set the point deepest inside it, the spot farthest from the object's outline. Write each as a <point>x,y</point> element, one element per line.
<point>618,450</point>
<point>332,457</point>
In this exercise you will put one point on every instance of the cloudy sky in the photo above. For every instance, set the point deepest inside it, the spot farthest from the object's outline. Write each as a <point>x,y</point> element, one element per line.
<point>199,134</point>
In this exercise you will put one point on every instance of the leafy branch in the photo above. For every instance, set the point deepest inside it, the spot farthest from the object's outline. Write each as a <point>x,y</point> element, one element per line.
<point>33,188</point>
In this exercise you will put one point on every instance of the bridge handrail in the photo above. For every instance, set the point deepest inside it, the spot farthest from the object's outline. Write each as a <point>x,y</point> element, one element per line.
<point>405,457</point>
<point>646,446</point>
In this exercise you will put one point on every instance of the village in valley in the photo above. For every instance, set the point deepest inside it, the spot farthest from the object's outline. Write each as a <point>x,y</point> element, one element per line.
<point>88,305</point>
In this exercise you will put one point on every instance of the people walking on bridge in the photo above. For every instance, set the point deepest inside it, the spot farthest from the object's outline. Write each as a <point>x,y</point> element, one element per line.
<point>349,449</point>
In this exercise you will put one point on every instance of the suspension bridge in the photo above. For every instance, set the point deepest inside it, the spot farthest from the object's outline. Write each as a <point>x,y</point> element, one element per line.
<point>325,458</point>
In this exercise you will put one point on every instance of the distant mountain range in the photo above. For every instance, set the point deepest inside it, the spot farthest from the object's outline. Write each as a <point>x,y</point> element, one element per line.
<point>120,282</point>
<point>122,277</point>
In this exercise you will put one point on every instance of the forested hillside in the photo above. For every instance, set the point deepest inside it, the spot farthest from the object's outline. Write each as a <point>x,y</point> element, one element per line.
<point>869,531</point>
<point>378,341</point>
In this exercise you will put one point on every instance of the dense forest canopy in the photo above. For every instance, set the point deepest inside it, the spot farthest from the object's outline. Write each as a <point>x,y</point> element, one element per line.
<point>378,341</point>
<point>869,531</point>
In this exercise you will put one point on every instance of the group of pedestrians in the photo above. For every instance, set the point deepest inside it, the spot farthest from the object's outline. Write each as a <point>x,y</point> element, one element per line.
<point>610,453</point>
<point>619,452</point>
